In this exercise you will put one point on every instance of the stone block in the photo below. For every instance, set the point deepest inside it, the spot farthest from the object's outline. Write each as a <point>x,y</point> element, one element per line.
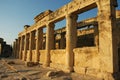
<point>79,69</point>
<point>31,64</point>
<point>92,71</point>
<point>11,62</point>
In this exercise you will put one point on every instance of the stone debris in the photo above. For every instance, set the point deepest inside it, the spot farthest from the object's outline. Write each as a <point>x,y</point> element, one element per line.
<point>11,62</point>
<point>50,73</point>
<point>3,76</point>
<point>31,64</point>
<point>54,73</point>
<point>23,78</point>
<point>67,78</point>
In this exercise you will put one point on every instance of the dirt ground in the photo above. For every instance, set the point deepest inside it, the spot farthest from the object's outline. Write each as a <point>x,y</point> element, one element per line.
<point>15,69</point>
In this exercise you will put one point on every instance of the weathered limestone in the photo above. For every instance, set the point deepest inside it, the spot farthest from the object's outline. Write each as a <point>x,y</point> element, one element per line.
<point>25,48</point>
<point>16,47</point>
<point>71,35</point>
<point>39,39</point>
<point>96,40</point>
<point>20,52</point>
<point>29,58</point>
<point>92,51</point>
<point>106,23</point>
<point>49,45</point>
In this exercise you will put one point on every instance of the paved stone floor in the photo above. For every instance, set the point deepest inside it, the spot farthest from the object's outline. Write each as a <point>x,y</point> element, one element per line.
<point>19,71</point>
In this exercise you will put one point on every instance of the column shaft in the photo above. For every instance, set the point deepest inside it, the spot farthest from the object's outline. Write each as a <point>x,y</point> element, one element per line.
<point>39,41</point>
<point>107,36</point>
<point>16,45</point>
<point>14,49</point>
<point>25,48</point>
<point>37,45</point>
<point>96,33</point>
<point>20,52</point>
<point>71,38</point>
<point>30,47</point>
<point>49,42</point>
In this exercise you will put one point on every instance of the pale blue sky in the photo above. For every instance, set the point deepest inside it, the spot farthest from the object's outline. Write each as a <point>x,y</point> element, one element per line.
<point>14,14</point>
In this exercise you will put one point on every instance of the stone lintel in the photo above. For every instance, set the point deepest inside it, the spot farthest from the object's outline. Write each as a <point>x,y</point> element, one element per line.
<point>42,15</point>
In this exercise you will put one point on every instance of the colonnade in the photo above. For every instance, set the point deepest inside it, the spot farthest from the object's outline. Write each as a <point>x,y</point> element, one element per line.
<point>104,34</point>
<point>34,40</point>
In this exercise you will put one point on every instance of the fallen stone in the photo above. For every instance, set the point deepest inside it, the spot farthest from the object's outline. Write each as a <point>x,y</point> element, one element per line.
<point>29,64</point>
<point>50,73</point>
<point>54,73</point>
<point>3,76</point>
<point>67,78</point>
<point>23,78</point>
<point>11,62</point>
<point>59,73</point>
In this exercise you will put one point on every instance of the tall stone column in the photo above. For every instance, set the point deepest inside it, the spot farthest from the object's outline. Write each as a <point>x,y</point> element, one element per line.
<point>71,38</point>
<point>14,49</point>
<point>39,39</point>
<point>107,36</point>
<point>49,42</point>
<point>16,46</point>
<point>25,48</point>
<point>62,41</point>
<point>20,52</point>
<point>96,33</point>
<point>30,47</point>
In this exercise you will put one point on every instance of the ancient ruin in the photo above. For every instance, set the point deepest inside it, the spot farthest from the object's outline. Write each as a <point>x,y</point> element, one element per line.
<point>92,51</point>
<point>5,49</point>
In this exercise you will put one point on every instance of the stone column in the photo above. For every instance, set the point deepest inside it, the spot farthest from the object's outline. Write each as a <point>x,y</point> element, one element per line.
<point>62,41</point>
<point>25,48</point>
<point>39,39</point>
<point>20,52</point>
<point>29,58</point>
<point>16,46</point>
<point>96,33</point>
<point>107,36</point>
<point>71,38</point>
<point>49,42</point>
<point>14,49</point>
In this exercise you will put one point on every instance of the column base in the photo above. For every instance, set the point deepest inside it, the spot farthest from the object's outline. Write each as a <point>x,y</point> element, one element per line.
<point>69,69</point>
<point>46,65</point>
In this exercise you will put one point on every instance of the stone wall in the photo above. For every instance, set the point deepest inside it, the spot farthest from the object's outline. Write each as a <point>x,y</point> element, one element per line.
<point>86,60</point>
<point>42,56</point>
<point>33,56</point>
<point>58,59</point>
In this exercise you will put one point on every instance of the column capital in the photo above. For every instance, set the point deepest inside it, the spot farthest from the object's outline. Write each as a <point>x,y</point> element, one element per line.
<point>16,39</point>
<point>73,16</point>
<point>50,24</point>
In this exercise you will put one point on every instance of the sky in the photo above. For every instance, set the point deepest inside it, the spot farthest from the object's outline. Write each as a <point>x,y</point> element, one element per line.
<point>14,14</point>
